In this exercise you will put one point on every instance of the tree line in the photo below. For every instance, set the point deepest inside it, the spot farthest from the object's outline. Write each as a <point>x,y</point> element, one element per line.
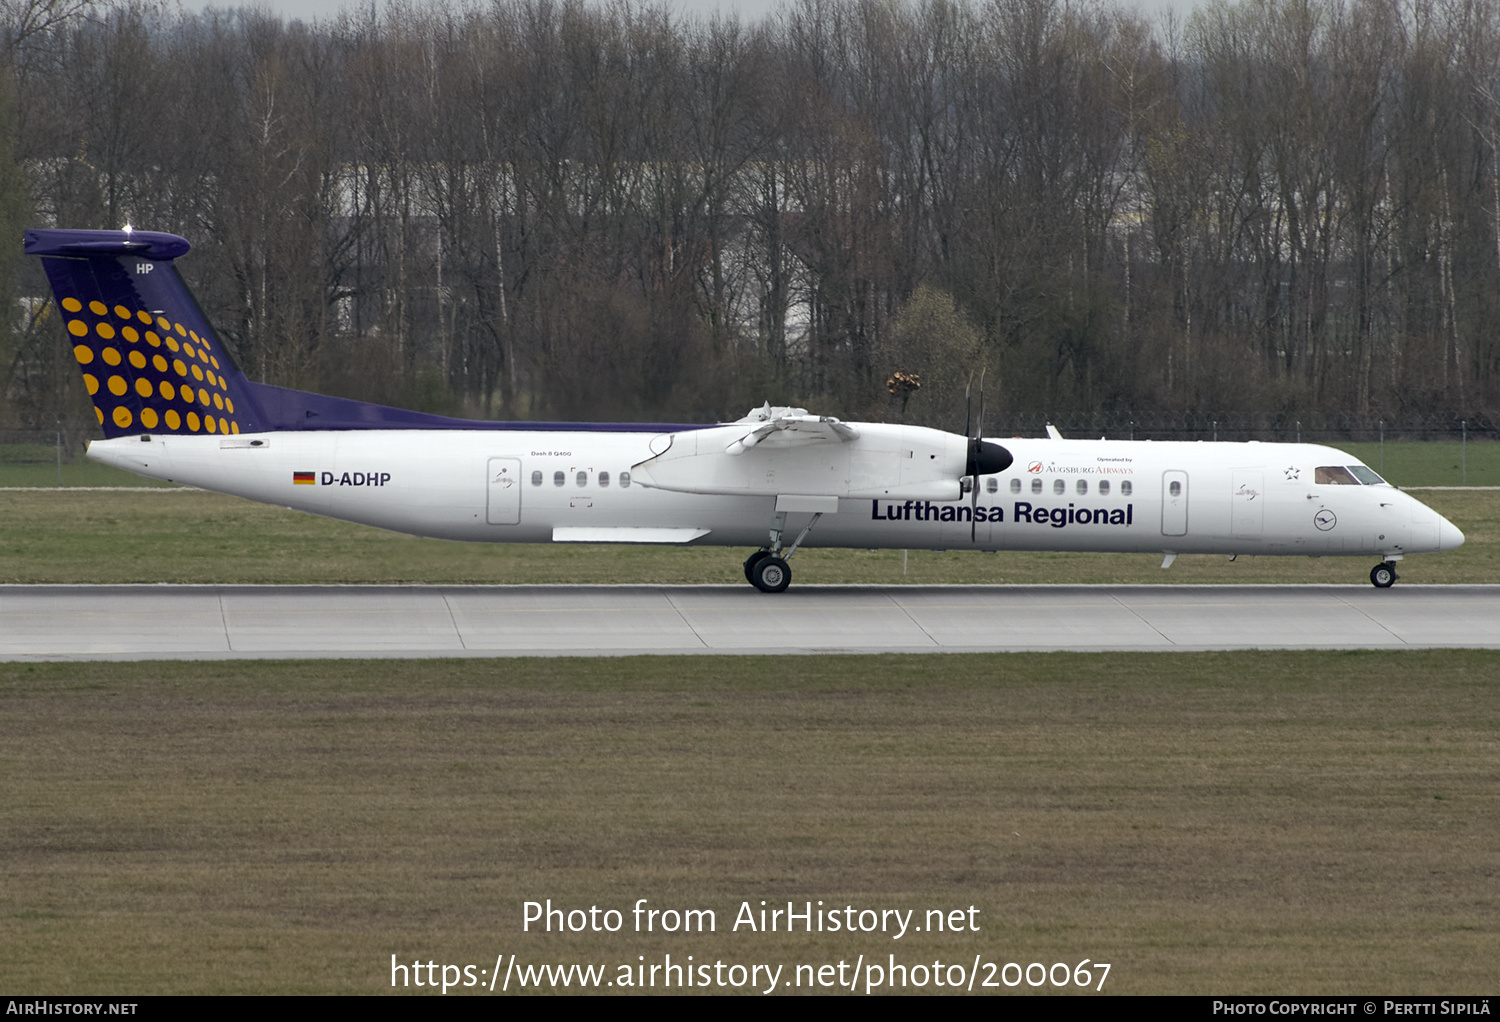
<point>548,209</point>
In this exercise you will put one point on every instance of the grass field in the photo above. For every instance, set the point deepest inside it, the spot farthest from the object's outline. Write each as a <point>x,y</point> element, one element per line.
<point>1209,823</point>
<point>177,535</point>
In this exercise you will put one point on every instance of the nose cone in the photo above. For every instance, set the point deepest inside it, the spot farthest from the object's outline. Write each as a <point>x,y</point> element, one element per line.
<point>1450,536</point>
<point>986,458</point>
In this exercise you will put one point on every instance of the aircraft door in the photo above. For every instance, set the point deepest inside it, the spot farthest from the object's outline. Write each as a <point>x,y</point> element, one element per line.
<point>1174,503</point>
<point>504,503</point>
<point>1247,503</point>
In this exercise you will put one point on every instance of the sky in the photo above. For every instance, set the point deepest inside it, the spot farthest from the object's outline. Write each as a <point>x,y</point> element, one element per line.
<point>748,9</point>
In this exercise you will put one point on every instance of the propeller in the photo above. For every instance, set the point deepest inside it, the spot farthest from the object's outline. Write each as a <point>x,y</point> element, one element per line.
<point>984,457</point>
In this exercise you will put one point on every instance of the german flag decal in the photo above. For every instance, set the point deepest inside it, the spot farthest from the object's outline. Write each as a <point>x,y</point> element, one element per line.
<point>304,478</point>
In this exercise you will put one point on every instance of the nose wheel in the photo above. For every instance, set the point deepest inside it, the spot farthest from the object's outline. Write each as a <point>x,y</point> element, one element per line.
<point>1383,575</point>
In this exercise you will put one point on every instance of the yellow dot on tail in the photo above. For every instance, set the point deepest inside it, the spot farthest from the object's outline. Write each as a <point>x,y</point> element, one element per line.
<point>92,383</point>
<point>83,353</point>
<point>235,428</point>
<point>99,414</point>
<point>111,356</point>
<point>117,385</point>
<point>122,417</point>
<point>214,361</point>
<point>148,418</point>
<point>197,374</point>
<point>72,305</point>
<point>131,334</point>
<point>78,328</point>
<point>152,339</point>
<point>218,401</point>
<point>192,351</point>
<point>229,405</point>
<point>179,365</point>
<point>192,421</point>
<point>209,424</point>
<point>159,362</point>
<point>203,397</point>
<point>143,387</point>
<point>174,421</point>
<point>144,317</point>
<point>105,331</point>
<point>97,308</point>
<point>172,343</point>
<point>168,391</point>
<point>138,360</point>
<point>180,331</point>
<point>122,312</point>
<point>162,324</point>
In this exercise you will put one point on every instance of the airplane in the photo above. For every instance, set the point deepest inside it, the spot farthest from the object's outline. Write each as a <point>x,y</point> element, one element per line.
<point>173,406</point>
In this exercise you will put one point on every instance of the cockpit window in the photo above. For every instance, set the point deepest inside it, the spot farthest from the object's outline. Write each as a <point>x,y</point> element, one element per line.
<point>1366,475</point>
<point>1333,475</point>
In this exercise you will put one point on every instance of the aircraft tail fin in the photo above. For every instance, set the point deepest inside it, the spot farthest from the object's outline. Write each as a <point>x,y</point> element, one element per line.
<point>150,360</point>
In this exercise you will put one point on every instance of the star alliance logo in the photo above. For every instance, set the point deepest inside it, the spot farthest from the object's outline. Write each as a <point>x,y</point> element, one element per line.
<point>1293,474</point>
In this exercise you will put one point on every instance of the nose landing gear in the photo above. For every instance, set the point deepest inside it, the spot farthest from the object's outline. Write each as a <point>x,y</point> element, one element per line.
<point>1383,575</point>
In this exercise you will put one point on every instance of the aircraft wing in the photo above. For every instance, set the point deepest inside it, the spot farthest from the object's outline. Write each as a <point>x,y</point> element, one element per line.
<point>786,452</point>
<point>788,430</point>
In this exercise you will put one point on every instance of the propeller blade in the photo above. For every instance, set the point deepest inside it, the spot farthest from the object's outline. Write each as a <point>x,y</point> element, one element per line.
<point>967,386</point>
<point>974,442</point>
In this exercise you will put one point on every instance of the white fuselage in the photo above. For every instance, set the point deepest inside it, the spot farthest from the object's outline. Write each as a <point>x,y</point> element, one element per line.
<point>543,486</point>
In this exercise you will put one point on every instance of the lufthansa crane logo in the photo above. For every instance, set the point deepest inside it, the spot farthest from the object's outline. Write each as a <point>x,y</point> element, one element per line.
<point>1325,520</point>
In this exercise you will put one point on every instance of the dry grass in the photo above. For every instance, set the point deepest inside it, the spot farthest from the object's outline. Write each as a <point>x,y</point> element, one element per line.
<point>1278,822</point>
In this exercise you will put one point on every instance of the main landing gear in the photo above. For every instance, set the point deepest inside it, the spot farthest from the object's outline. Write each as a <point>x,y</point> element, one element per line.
<point>766,569</point>
<point>1383,575</point>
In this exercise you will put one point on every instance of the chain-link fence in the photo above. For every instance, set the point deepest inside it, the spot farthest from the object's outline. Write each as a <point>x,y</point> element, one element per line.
<point>1268,428</point>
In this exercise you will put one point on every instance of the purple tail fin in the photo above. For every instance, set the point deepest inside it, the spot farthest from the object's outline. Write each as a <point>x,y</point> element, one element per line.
<point>151,362</point>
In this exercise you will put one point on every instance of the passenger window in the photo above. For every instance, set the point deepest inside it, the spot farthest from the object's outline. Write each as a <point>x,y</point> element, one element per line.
<point>1104,487</point>
<point>1126,488</point>
<point>559,478</point>
<point>1059,487</point>
<point>1015,486</point>
<point>603,479</point>
<point>1174,488</point>
<point>992,485</point>
<point>1036,486</point>
<point>624,480</point>
<point>1333,475</point>
<point>583,479</point>
<point>536,478</point>
<point>1082,487</point>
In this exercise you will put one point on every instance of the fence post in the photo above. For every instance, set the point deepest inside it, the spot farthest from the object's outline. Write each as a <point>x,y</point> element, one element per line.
<point>1382,448</point>
<point>1299,431</point>
<point>59,457</point>
<point>1463,449</point>
<point>1216,431</point>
